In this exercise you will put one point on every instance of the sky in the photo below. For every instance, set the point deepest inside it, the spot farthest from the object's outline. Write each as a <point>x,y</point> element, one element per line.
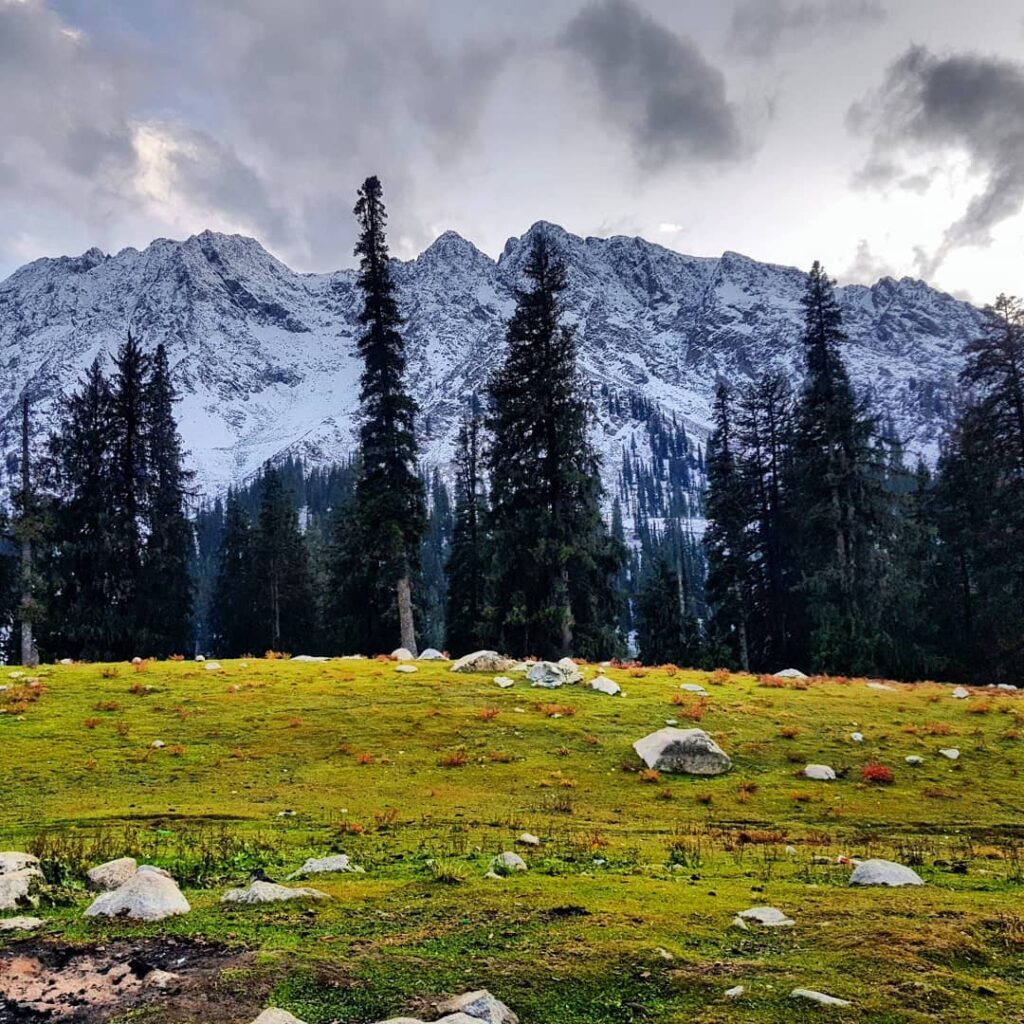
<point>879,136</point>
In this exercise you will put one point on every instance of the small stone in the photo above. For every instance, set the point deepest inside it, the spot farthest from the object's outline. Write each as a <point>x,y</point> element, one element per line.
<point>605,685</point>
<point>158,745</point>
<point>200,657</point>
<point>694,688</point>
<point>913,759</point>
<point>480,1006</point>
<point>664,953</point>
<point>20,924</point>
<point>306,657</point>
<point>338,863</point>
<point>401,654</point>
<point>820,773</point>
<point>960,693</point>
<point>767,917</point>
<point>951,753</point>
<point>504,682</point>
<point>857,737</point>
<point>136,660</point>
<point>550,675</point>
<point>212,666</point>
<point>66,661</point>
<point>275,1016</point>
<point>406,668</point>
<point>483,661</point>
<point>507,863</point>
<point>735,992</point>
<point>790,673</point>
<point>879,686</point>
<point>817,997</point>
<point>884,872</point>
<point>270,892</point>
<point>160,979</point>
<point>528,839</point>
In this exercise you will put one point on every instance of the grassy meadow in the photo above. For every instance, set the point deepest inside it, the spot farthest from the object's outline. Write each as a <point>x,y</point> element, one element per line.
<point>625,912</point>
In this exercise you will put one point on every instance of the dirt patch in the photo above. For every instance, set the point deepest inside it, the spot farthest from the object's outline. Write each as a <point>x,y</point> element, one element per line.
<point>42,982</point>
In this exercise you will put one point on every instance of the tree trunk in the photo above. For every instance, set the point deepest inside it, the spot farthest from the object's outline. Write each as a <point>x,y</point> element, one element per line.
<point>566,617</point>
<point>406,626</point>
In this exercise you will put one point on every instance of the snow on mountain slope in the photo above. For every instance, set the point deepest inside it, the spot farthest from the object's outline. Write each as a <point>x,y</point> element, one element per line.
<point>265,357</point>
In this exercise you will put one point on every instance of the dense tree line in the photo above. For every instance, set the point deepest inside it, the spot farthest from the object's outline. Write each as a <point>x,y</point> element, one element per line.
<point>827,552</point>
<point>821,548</point>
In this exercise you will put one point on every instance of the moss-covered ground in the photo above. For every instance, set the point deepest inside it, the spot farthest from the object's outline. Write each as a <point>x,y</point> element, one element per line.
<point>624,914</point>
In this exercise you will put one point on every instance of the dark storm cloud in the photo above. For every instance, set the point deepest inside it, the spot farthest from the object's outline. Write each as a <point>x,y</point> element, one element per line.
<point>655,84</point>
<point>760,27</point>
<point>967,103</point>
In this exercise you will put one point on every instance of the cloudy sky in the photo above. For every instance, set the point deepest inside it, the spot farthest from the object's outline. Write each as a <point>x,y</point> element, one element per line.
<point>881,136</point>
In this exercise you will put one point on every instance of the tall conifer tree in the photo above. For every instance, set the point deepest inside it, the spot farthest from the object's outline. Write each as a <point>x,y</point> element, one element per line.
<point>378,542</point>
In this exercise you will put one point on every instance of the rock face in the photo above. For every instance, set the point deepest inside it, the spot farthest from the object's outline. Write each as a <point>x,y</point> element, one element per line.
<point>114,873</point>
<point>336,864</point>
<point>149,895</point>
<point>820,773</point>
<point>431,654</point>
<point>482,661</point>
<point>550,675</point>
<point>605,685</point>
<point>691,751</point>
<point>270,892</point>
<point>479,1005</point>
<point>20,875</point>
<point>884,872</point>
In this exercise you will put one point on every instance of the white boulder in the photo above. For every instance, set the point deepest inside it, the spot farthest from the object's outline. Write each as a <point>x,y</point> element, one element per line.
<point>857,737</point>
<point>951,753</point>
<point>528,839</point>
<point>914,759</point>
<point>694,688</point>
<point>820,998</point>
<point>402,654</point>
<point>506,863</point>
<point>884,872</point>
<point>791,673</point>
<point>504,682</point>
<point>20,875</point>
<point>820,773</point>
<point>212,666</point>
<point>309,657</point>
<point>149,895</point>
<point>960,692</point>
<point>114,873</point>
<point>550,675</point>
<point>270,892</point>
<point>403,667</point>
<point>605,685</point>
<point>20,924</point>
<point>431,654</point>
<point>337,863</point>
<point>275,1016</point>
<point>766,917</point>
<point>479,1006</point>
<point>691,751</point>
<point>482,661</point>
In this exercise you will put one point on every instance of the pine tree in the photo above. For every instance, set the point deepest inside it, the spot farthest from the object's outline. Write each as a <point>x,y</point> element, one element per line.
<point>468,563</point>
<point>839,497</point>
<point>726,536</point>
<point>667,632</point>
<point>166,603</point>
<point>131,483</point>
<point>234,600</point>
<point>379,540</point>
<point>285,605</point>
<point>554,562</point>
<point>432,606</point>
<point>85,563</point>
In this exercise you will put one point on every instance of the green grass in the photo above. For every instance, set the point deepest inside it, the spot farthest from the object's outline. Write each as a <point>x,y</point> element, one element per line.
<point>405,774</point>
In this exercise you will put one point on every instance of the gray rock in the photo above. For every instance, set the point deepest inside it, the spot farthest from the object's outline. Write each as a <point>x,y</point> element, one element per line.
<point>811,996</point>
<point>479,1005</point>
<point>857,737</point>
<point>13,860</point>
<point>482,661</point>
<point>277,1017</point>
<point>766,917</point>
<point>950,753</point>
<point>457,1018</point>
<point>914,759</point>
<point>529,839</point>
<point>270,892</point>
<point>149,895</point>
<point>336,864</point>
<point>735,992</point>
<point>820,773</point>
<point>114,873</point>
<point>571,669</point>
<point>431,654</point>
<point>605,685</point>
<point>20,876</point>
<point>550,675</point>
<point>791,673</point>
<point>504,682</point>
<point>162,980</point>
<point>694,688</point>
<point>884,872</point>
<point>309,657</point>
<point>960,693</point>
<point>406,668</point>
<point>691,751</point>
<point>212,666</point>
<point>402,654</point>
<point>508,862</point>
<point>20,924</point>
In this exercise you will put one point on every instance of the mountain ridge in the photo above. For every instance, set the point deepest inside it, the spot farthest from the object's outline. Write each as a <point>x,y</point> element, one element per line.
<point>265,356</point>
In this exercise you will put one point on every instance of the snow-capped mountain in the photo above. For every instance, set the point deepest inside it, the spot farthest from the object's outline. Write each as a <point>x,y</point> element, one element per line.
<point>265,357</point>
